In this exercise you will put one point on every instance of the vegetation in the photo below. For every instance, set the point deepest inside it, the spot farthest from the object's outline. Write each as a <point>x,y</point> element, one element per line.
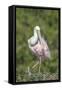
<point>26,20</point>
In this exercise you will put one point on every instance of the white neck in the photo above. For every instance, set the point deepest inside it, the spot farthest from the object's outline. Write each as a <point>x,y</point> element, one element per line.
<point>35,33</point>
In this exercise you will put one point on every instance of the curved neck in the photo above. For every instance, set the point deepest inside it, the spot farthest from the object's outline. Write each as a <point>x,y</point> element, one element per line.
<point>35,33</point>
<point>38,35</point>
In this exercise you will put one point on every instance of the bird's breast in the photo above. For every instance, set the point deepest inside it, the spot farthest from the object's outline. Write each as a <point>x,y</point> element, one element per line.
<point>34,41</point>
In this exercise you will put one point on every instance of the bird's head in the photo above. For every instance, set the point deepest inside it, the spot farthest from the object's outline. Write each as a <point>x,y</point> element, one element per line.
<point>37,28</point>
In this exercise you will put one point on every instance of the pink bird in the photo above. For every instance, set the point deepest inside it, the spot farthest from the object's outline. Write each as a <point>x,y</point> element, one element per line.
<point>39,46</point>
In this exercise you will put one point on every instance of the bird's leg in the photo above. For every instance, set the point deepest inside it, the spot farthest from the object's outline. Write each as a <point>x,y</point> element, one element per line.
<point>29,73</point>
<point>39,65</point>
<point>35,65</point>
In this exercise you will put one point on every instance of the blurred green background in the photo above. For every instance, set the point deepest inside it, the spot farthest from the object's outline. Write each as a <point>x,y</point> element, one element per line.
<point>26,20</point>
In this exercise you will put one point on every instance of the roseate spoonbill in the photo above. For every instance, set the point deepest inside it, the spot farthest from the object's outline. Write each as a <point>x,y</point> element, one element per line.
<point>39,46</point>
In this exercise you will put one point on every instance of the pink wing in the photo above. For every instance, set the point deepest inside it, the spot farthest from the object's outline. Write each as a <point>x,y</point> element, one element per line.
<point>41,49</point>
<point>37,49</point>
